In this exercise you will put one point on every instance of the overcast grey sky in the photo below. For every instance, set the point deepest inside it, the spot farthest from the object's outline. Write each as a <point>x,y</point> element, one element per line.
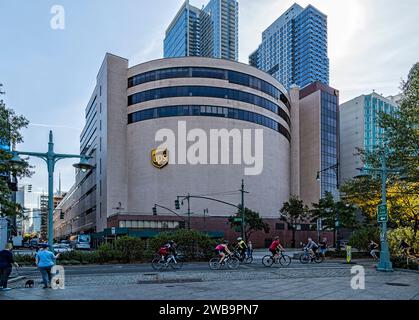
<point>49,74</point>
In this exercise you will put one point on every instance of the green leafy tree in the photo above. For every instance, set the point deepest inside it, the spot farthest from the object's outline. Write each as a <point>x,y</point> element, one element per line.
<point>331,211</point>
<point>10,126</point>
<point>292,212</point>
<point>402,129</point>
<point>253,222</point>
<point>401,149</point>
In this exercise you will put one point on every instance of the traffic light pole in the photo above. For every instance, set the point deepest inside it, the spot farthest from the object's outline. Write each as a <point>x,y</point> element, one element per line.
<point>241,208</point>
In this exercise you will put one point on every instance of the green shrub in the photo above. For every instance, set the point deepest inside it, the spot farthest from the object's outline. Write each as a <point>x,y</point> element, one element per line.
<point>105,253</point>
<point>407,234</point>
<point>128,249</point>
<point>24,259</point>
<point>360,238</point>
<point>192,244</point>
<point>83,257</point>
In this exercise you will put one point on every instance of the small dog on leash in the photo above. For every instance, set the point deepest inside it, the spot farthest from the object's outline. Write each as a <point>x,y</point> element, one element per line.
<point>29,284</point>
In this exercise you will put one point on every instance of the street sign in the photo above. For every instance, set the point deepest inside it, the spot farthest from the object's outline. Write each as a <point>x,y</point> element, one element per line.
<point>382,213</point>
<point>113,230</point>
<point>237,219</point>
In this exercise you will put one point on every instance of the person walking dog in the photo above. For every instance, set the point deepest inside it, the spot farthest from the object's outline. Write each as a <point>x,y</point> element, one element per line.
<point>45,260</point>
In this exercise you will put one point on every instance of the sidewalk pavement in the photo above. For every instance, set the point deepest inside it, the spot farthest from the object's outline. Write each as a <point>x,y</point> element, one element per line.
<point>307,282</point>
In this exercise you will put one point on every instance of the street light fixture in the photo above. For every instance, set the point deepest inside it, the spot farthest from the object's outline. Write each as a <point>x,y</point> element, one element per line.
<point>83,165</point>
<point>382,216</point>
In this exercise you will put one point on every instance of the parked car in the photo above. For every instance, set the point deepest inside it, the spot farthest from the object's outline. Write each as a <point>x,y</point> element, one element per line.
<point>61,248</point>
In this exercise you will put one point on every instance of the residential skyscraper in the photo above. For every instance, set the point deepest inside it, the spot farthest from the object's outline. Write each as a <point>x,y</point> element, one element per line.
<point>294,48</point>
<point>360,128</point>
<point>183,34</point>
<point>211,32</point>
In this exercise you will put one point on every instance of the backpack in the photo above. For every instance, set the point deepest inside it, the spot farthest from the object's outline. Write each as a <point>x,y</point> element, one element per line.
<point>163,251</point>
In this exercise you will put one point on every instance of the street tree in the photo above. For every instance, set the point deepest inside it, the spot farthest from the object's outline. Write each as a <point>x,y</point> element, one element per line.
<point>10,126</point>
<point>334,214</point>
<point>253,222</point>
<point>293,211</point>
<point>401,150</point>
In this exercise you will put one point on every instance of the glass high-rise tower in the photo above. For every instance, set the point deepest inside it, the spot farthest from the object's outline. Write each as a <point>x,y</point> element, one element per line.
<point>211,32</point>
<point>294,48</point>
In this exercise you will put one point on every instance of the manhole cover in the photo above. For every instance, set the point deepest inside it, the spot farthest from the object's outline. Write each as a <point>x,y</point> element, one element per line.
<point>150,274</point>
<point>397,284</point>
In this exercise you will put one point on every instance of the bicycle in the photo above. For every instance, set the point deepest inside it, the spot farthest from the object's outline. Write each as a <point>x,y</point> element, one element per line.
<point>175,262</point>
<point>231,261</point>
<point>307,257</point>
<point>279,258</point>
<point>246,259</point>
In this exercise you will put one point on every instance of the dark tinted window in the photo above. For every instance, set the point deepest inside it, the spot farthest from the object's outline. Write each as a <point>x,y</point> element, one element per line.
<point>214,73</point>
<point>204,91</point>
<point>210,111</point>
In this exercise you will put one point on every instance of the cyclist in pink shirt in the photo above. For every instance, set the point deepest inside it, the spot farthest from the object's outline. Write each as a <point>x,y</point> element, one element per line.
<point>222,249</point>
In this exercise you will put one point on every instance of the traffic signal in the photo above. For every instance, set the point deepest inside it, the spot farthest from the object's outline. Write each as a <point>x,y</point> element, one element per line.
<point>29,188</point>
<point>177,205</point>
<point>154,211</point>
<point>62,215</point>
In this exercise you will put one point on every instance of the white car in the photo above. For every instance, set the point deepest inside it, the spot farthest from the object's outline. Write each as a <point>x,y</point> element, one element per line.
<point>62,247</point>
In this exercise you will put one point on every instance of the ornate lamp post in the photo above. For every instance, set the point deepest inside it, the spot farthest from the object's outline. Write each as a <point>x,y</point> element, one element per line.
<point>51,158</point>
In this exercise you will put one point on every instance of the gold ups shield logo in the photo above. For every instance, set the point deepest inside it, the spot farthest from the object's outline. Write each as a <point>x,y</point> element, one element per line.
<point>159,158</point>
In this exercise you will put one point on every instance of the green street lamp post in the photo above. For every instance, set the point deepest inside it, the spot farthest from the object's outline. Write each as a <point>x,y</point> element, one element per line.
<point>382,216</point>
<point>51,158</point>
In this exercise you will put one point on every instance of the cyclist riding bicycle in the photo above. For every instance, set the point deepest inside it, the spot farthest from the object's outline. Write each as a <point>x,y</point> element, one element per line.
<point>275,247</point>
<point>241,247</point>
<point>168,249</point>
<point>311,247</point>
<point>222,249</point>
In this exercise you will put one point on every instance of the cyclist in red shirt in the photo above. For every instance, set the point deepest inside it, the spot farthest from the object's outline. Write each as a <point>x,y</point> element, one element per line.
<point>275,247</point>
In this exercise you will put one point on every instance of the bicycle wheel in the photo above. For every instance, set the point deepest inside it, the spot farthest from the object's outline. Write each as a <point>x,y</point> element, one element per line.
<point>267,261</point>
<point>305,258</point>
<point>214,263</point>
<point>248,260</point>
<point>176,264</point>
<point>157,263</point>
<point>319,258</point>
<point>285,261</point>
<point>233,263</point>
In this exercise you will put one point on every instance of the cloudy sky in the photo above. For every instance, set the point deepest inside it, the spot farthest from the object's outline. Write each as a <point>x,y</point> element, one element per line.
<point>48,74</point>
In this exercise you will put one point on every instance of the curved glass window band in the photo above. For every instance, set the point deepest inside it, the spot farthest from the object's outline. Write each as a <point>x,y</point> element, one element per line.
<point>208,111</point>
<point>213,73</point>
<point>211,92</point>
